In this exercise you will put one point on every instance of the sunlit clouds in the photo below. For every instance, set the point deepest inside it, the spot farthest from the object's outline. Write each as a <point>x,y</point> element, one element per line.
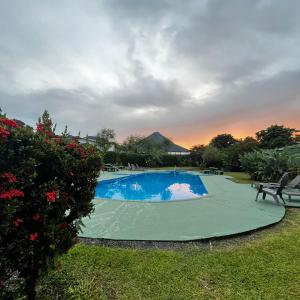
<point>189,69</point>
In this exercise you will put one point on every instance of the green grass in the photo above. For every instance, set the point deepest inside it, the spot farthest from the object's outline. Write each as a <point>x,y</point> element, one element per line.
<point>263,265</point>
<point>239,177</point>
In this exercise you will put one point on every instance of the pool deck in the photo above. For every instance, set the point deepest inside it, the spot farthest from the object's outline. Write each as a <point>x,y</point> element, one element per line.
<point>228,209</point>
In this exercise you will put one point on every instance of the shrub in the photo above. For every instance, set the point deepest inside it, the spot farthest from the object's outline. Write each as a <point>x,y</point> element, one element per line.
<point>46,186</point>
<point>147,160</point>
<point>111,157</point>
<point>168,160</point>
<point>134,158</point>
<point>265,165</point>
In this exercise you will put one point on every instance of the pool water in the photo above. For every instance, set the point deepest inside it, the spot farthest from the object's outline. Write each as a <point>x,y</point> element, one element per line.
<point>159,186</point>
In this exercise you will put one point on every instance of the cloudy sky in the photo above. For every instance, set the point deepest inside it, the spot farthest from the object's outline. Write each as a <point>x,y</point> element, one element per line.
<point>189,69</point>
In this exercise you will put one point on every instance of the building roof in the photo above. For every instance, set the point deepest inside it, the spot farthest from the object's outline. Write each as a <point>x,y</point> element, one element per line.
<point>157,137</point>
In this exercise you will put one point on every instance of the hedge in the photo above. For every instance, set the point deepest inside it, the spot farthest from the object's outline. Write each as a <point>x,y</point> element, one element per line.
<point>146,160</point>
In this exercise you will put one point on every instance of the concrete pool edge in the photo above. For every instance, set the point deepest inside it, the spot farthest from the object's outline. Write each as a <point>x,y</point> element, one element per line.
<point>228,210</point>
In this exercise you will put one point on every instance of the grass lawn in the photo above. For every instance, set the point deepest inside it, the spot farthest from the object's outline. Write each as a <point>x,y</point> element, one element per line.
<point>263,265</point>
<point>239,177</point>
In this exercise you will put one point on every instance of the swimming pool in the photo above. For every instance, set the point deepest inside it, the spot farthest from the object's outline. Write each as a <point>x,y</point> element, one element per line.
<point>158,186</point>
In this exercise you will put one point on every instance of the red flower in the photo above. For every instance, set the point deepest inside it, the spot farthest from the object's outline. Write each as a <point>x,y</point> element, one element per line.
<point>36,217</point>
<point>82,152</point>
<point>72,145</point>
<point>8,122</point>
<point>11,194</point>
<point>39,127</point>
<point>17,222</point>
<point>51,196</point>
<point>4,133</point>
<point>33,236</point>
<point>11,178</point>
<point>48,133</point>
<point>63,226</point>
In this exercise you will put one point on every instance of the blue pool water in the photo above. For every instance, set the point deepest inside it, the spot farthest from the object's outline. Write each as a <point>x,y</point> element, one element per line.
<point>162,186</point>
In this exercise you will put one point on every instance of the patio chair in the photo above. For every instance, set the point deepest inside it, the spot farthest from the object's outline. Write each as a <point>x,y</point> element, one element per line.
<point>294,183</point>
<point>131,167</point>
<point>138,168</point>
<point>269,184</point>
<point>274,191</point>
<point>291,193</point>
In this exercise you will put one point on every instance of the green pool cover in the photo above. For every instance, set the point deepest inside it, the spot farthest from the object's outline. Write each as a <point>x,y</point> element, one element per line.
<point>228,209</point>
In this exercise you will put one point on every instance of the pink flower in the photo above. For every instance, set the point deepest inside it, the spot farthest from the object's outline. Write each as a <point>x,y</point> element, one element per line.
<point>10,177</point>
<point>51,196</point>
<point>11,194</point>
<point>33,236</point>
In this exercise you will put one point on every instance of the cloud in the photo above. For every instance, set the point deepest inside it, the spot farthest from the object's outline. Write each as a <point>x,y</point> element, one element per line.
<point>189,69</point>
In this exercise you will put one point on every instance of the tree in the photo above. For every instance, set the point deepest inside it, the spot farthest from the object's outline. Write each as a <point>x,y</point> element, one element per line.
<point>105,139</point>
<point>233,152</point>
<point>222,141</point>
<point>212,157</point>
<point>131,143</point>
<point>196,155</point>
<point>276,136</point>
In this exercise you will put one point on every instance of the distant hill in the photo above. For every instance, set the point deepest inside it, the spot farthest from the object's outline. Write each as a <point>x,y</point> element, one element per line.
<point>166,144</point>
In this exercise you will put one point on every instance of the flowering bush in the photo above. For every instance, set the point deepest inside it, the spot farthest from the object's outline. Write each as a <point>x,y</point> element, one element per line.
<point>46,187</point>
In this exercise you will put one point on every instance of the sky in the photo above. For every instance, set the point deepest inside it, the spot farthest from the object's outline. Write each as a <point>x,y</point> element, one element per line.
<point>188,69</point>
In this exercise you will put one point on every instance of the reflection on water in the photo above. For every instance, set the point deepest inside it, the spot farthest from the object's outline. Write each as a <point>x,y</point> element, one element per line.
<point>153,186</point>
<point>181,191</point>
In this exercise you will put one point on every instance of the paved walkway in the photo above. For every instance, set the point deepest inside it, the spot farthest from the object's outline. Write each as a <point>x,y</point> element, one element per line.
<point>228,209</point>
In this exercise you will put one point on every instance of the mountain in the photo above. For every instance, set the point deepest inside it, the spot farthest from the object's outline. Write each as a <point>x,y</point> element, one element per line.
<point>167,144</point>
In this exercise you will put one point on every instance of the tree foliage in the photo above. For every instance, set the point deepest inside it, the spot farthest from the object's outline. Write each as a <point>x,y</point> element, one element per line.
<point>47,183</point>
<point>267,165</point>
<point>222,141</point>
<point>131,143</point>
<point>232,153</point>
<point>105,139</point>
<point>196,155</point>
<point>212,157</point>
<point>275,136</point>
